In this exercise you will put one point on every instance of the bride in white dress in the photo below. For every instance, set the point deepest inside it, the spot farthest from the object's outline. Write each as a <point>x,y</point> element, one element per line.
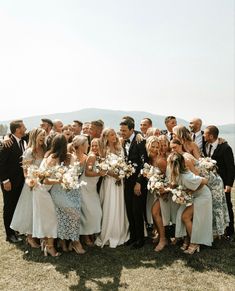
<point>115,226</point>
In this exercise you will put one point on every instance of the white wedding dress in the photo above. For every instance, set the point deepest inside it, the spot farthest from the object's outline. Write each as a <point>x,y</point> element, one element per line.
<point>115,225</point>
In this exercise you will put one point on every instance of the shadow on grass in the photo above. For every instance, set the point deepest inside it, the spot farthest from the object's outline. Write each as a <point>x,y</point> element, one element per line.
<point>102,268</point>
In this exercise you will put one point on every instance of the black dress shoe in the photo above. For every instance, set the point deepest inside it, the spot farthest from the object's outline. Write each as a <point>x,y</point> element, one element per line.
<point>130,242</point>
<point>137,245</point>
<point>13,239</point>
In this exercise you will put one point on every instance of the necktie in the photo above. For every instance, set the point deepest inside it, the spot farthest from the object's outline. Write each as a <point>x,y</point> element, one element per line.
<point>171,135</point>
<point>210,148</point>
<point>21,144</point>
<point>194,136</point>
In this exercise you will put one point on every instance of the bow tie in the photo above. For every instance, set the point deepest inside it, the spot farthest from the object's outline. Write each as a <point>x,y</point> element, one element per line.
<point>127,141</point>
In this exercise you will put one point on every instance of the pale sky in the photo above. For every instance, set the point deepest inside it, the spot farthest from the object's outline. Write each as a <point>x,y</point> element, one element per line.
<point>171,57</point>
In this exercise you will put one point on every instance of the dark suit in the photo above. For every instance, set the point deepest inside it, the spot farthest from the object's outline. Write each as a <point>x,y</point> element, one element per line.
<point>223,155</point>
<point>11,168</point>
<point>135,205</point>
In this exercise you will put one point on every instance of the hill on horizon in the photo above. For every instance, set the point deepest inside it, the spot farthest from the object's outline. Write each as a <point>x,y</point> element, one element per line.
<point>111,118</point>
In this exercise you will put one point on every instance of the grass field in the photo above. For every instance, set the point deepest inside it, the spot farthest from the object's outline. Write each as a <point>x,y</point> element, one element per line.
<point>22,268</point>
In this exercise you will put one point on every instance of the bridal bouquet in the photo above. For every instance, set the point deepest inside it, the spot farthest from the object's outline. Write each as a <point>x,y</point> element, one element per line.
<point>148,171</point>
<point>182,196</point>
<point>116,165</point>
<point>70,176</point>
<point>155,183</point>
<point>207,165</point>
<point>35,175</point>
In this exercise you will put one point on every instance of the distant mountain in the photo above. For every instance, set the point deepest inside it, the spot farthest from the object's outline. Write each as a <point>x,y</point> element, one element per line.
<point>111,118</point>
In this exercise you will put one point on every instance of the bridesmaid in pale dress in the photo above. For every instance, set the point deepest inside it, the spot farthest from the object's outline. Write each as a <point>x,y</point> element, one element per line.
<point>183,134</point>
<point>196,219</point>
<point>67,202</point>
<point>91,212</point>
<point>22,220</point>
<point>157,161</point>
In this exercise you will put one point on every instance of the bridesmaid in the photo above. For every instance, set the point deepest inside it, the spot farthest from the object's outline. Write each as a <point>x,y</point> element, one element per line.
<point>22,220</point>
<point>194,220</point>
<point>158,162</point>
<point>91,212</point>
<point>67,203</point>
<point>183,134</point>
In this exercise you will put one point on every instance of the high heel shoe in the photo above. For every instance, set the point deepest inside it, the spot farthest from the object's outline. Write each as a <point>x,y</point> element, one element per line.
<point>184,247</point>
<point>192,249</point>
<point>77,247</point>
<point>32,243</point>
<point>49,249</point>
<point>43,243</point>
<point>161,245</point>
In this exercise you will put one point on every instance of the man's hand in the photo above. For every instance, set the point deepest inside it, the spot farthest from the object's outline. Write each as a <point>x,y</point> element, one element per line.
<point>7,142</point>
<point>137,189</point>
<point>7,186</point>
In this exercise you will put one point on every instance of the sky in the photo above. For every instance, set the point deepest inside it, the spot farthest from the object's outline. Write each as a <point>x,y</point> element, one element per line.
<point>164,57</point>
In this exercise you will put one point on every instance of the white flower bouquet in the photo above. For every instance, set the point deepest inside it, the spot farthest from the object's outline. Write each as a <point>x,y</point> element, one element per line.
<point>70,176</point>
<point>206,165</point>
<point>182,196</point>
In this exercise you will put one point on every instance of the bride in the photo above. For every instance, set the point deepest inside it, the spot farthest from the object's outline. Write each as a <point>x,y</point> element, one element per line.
<point>114,228</point>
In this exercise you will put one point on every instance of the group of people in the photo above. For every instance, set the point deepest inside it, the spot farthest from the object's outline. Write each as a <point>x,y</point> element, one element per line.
<point>107,210</point>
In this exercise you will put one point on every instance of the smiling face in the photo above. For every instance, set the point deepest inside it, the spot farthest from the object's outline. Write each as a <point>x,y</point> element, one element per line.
<point>112,137</point>
<point>125,131</point>
<point>40,139</point>
<point>95,147</point>
<point>175,148</point>
<point>154,148</point>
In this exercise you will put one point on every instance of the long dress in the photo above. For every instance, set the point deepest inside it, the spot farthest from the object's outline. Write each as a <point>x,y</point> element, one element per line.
<point>219,205</point>
<point>202,211</point>
<point>67,204</point>
<point>91,212</point>
<point>115,225</point>
<point>44,213</point>
<point>22,220</point>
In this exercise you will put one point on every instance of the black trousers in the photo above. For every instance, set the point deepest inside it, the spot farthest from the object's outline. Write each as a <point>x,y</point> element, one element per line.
<point>10,199</point>
<point>230,229</point>
<point>135,207</point>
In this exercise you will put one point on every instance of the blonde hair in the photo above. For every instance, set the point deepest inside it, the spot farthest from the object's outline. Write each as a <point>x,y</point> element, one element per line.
<point>182,133</point>
<point>177,166</point>
<point>150,140</point>
<point>152,131</point>
<point>79,140</point>
<point>34,133</point>
<point>104,144</point>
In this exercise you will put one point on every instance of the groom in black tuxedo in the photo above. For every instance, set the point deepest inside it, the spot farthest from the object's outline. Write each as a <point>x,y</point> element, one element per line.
<point>223,154</point>
<point>134,192</point>
<point>12,176</point>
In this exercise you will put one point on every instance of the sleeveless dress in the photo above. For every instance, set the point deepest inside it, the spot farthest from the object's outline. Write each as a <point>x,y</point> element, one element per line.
<point>67,205</point>
<point>91,212</point>
<point>115,225</point>
<point>44,213</point>
<point>202,214</point>
<point>22,220</point>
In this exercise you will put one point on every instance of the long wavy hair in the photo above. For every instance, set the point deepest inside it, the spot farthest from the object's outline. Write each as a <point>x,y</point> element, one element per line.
<point>59,149</point>
<point>150,140</point>
<point>104,143</point>
<point>34,133</point>
<point>182,133</point>
<point>177,166</point>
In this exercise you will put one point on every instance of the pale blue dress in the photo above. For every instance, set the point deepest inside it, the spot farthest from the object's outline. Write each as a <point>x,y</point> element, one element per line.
<point>202,214</point>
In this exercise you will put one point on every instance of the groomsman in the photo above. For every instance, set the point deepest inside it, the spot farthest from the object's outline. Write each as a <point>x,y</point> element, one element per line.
<point>134,193</point>
<point>145,124</point>
<point>77,127</point>
<point>11,175</point>
<point>223,155</point>
<point>170,122</point>
<point>197,134</point>
<point>47,125</point>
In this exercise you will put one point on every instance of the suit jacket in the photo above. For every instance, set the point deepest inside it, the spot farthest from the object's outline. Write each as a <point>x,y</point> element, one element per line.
<point>137,155</point>
<point>223,155</point>
<point>11,164</point>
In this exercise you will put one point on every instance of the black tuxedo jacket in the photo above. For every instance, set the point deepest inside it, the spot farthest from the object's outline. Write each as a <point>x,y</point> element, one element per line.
<point>223,155</point>
<point>11,164</point>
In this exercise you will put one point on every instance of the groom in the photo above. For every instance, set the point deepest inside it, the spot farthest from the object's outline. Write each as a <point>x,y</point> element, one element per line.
<point>134,193</point>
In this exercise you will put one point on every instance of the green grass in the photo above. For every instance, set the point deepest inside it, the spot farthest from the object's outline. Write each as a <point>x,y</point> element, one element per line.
<point>23,268</point>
